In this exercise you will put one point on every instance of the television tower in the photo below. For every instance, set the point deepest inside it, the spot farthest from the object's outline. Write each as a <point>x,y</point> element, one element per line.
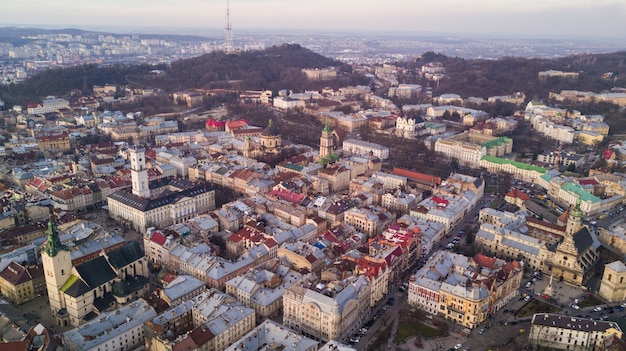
<point>228,45</point>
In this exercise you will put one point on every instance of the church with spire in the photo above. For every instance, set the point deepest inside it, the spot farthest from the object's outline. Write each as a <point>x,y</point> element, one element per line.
<point>573,259</point>
<point>78,293</point>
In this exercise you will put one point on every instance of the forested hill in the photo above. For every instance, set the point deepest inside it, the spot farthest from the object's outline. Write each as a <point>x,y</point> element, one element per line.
<point>278,67</point>
<point>275,68</point>
<point>484,78</point>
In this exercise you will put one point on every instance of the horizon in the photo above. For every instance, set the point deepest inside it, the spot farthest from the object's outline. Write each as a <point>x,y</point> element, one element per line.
<point>533,19</point>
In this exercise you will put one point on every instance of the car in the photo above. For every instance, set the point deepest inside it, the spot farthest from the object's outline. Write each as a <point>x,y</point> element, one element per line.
<point>391,301</point>
<point>481,331</point>
<point>597,309</point>
<point>528,284</point>
<point>575,306</point>
<point>457,346</point>
<point>527,298</point>
<point>619,308</point>
<point>466,349</point>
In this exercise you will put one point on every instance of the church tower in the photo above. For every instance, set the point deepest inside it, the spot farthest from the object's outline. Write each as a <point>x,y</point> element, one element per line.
<point>57,267</point>
<point>138,171</point>
<point>326,141</point>
<point>574,223</point>
<point>247,147</point>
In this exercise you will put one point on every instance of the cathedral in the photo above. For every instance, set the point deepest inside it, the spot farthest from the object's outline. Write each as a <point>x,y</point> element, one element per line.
<point>573,259</point>
<point>79,293</point>
<point>270,142</point>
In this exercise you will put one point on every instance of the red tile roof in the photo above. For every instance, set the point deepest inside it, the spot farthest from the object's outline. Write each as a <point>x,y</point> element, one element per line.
<point>158,238</point>
<point>417,177</point>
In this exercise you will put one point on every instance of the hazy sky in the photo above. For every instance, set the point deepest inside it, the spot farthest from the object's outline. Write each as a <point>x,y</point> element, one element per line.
<point>502,18</point>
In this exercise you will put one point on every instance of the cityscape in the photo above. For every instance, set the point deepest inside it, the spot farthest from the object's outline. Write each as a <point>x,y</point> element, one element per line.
<point>264,189</point>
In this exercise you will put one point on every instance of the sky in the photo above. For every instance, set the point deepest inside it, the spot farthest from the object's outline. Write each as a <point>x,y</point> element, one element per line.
<point>584,19</point>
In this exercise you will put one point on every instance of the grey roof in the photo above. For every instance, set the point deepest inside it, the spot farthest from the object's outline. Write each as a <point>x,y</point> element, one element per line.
<point>109,326</point>
<point>96,272</point>
<point>77,289</point>
<point>145,205</point>
<point>181,286</point>
<point>126,254</point>
<point>584,240</point>
<point>572,323</point>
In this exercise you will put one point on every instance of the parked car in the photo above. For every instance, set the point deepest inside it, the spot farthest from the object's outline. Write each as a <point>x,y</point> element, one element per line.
<point>597,309</point>
<point>457,346</point>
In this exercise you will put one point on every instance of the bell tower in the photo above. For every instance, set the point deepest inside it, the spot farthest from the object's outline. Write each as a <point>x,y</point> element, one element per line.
<point>138,171</point>
<point>326,141</point>
<point>57,267</point>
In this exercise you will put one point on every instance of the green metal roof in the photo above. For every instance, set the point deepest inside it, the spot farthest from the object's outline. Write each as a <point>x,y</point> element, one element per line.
<point>520,165</point>
<point>69,282</point>
<point>294,167</point>
<point>495,142</point>
<point>580,192</point>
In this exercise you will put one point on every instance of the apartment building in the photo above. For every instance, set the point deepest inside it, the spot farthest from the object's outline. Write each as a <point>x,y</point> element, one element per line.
<point>330,311</point>
<point>464,290</point>
<point>364,148</point>
<point>548,330</point>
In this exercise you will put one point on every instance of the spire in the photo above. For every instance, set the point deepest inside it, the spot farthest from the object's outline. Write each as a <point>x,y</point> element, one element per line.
<point>327,127</point>
<point>576,212</point>
<point>53,245</point>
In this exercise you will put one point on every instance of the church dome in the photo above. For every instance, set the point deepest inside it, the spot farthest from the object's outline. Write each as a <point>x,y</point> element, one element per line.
<point>271,130</point>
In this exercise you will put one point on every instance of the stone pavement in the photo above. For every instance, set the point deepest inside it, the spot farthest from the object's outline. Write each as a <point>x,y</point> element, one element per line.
<point>38,310</point>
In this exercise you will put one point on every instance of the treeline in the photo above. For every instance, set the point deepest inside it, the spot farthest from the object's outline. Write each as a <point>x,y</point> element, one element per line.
<point>484,78</point>
<point>275,68</point>
<point>63,81</point>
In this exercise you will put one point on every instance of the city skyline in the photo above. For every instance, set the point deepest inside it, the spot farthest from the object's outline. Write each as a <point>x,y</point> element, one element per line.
<point>533,19</point>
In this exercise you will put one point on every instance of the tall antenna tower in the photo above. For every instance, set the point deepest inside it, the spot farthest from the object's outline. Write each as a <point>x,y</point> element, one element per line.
<point>228,45</point>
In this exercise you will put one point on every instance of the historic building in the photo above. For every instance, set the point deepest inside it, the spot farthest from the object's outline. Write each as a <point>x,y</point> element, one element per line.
<point>613,284</point>
<point>465,290</point>
<point>78,293</point>
<point>327,142</point>
<point>555,331</point>
<point>180,201</point>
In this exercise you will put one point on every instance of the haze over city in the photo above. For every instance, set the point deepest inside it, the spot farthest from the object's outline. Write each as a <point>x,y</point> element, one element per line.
<point>575,19</point>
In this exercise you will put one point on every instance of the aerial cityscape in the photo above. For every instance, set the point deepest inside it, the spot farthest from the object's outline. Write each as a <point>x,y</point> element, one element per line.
<point>237,175</point>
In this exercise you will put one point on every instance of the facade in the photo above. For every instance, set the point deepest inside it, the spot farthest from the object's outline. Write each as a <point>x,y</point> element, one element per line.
<point>613,284</point>
<point>364,148</point>
<point>467,154</point>
<point>326,311</point>
<point>464,290</point>
<point>555,331</point>
<point>20,284</point>
<point>47,106</point>
<point>518,170</point>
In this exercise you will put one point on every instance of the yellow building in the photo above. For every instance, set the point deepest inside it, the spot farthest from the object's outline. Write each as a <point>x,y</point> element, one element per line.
<point>20,284</point>
<point>590,137</point>
<point>613,284</point>
<point>464,290</point>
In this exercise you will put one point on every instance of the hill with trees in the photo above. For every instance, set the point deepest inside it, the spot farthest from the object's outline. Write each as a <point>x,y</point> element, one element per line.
<point>279,67</point>
<point>484,78</point>
<point>274,68</point>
